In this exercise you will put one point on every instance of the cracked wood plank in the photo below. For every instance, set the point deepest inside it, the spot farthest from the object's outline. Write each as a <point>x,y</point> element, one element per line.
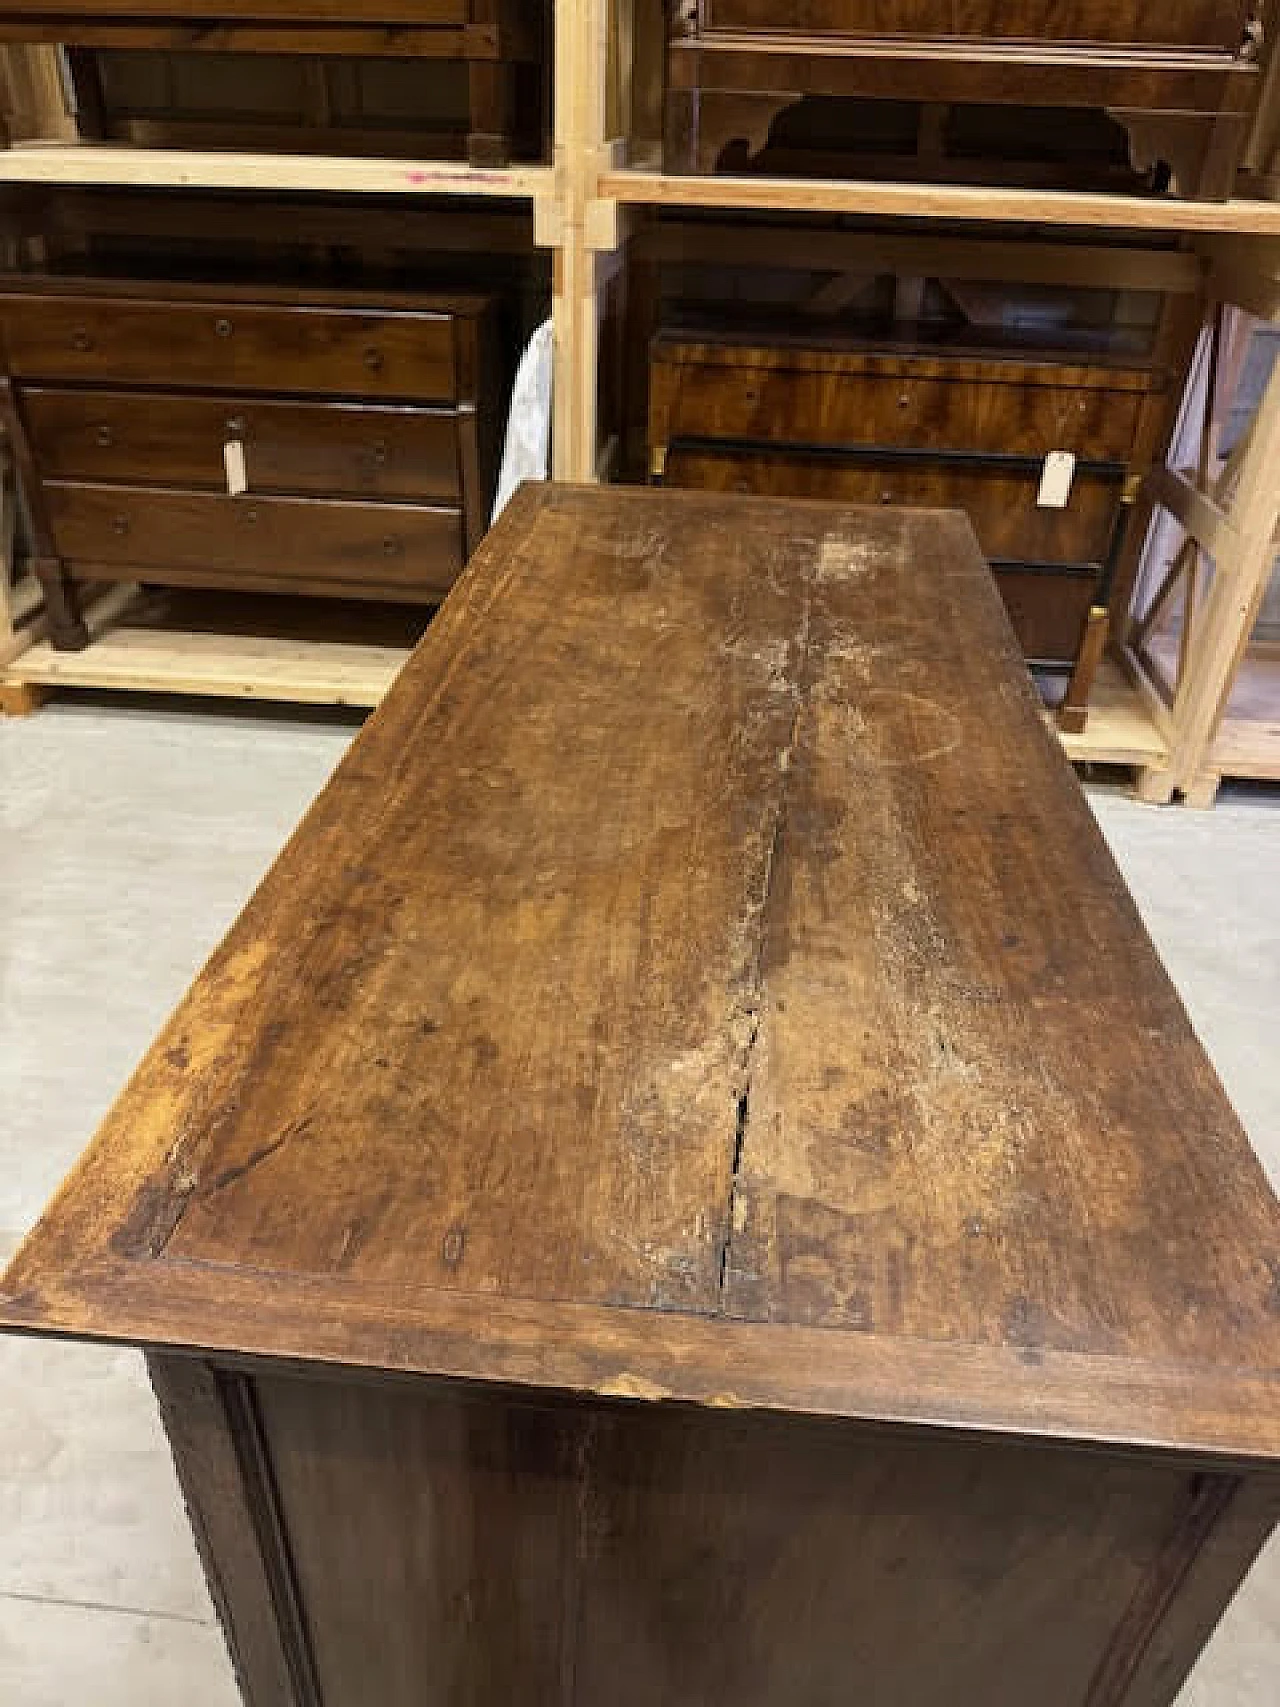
<point>704,940</point>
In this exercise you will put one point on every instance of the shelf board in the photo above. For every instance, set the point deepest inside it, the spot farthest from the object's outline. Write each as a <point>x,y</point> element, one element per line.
<point>230,647</point>
<point>176,168</point>
<point>940,201</point>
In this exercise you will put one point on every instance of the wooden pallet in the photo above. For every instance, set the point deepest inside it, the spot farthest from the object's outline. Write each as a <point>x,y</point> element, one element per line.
<point>300,651</point>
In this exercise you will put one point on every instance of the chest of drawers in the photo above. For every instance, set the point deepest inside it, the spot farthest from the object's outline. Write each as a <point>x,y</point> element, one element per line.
<point>499,46</point>
<point>255,438</point>
<point>926,428</point>
<point>1183,78</point>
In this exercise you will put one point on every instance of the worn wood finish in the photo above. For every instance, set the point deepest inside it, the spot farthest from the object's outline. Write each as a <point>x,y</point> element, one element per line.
<point>1047,605</point>
<point>1186,83</point>
<point>139,411</point>
<point>678,994</point>
<point>956,429</point>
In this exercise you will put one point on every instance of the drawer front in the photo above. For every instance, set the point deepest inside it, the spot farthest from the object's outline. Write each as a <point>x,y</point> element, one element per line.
<point>298,544</point>
<point>1211,24</point>
<point>1001,503</point>
<point>239,347</point>
<point>332,449</point>
<point>796,407</point>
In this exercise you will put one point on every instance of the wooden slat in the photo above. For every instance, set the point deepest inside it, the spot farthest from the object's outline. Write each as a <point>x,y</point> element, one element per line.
<point>942,201</point>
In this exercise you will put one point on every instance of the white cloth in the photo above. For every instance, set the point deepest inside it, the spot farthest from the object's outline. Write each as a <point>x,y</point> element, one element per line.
<point>527,448</point>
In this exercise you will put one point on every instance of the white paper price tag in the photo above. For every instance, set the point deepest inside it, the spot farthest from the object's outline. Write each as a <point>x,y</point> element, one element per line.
<point>237,474</point>
<point>1055,480</point>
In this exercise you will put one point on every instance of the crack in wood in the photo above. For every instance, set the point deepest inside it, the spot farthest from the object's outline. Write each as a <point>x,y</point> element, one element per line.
<point>753,1005</point>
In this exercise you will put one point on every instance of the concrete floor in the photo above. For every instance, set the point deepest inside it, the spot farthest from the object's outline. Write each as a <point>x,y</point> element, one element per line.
<point>129,839</point>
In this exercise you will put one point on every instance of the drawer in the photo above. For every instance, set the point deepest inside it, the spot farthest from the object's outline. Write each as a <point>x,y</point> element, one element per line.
<point>795,406</point>
<point>1212,24</point>
<point>235,347</point>
<point>273,544</point>
<point>1000,502</point>
<point>332,449</point>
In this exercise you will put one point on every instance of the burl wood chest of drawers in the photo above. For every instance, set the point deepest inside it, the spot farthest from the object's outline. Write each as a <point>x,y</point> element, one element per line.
<point>688,1183</point>
<point>256,438</point>
<point>1183,77</point>
<point>896,426</point>
<point>502,44</point>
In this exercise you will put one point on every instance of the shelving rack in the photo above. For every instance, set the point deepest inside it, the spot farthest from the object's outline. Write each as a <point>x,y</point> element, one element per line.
<point>596,194</point>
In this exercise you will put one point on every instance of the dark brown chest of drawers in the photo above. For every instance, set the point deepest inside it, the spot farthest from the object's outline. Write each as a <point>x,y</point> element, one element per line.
<point>941,430</point>
<point>1183,78</point>
<point>305,73</point>
<point>249,438</point>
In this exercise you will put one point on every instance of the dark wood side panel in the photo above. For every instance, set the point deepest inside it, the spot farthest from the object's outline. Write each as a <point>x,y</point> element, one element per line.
<point>452,1547</point>
<point>434,1537</point>
<point>308,544</point>
<point>330,449</point>
<point>231,346</point>
<point>226,1516</point>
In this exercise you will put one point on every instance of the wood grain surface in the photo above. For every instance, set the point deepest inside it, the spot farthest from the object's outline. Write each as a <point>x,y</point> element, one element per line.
<point>703,978</point>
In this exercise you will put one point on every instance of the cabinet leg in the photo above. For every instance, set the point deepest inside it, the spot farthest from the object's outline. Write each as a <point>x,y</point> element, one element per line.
<point>67,629</point>
<point>1073,713</point>
<point>492,96</point>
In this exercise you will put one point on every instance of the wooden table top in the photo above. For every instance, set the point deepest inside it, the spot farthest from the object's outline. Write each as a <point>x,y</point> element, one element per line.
<point>703,979</point>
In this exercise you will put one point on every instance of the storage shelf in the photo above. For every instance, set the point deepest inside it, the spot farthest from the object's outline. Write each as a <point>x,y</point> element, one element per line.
<point>172,168</point>
<point>940,201</point>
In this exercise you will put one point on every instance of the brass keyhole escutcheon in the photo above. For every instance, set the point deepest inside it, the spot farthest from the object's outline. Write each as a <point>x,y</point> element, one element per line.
<point>373,360</point>
<point>235,427</point>
<point>104,437</point>
<point>222,328</point>
<point>380,453</point>
<point>120,524</point>
<point>390,546</point>
<point>80,339</point>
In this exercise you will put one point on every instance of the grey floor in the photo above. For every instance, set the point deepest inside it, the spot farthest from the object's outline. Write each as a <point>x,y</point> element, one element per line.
<point>129,838</point>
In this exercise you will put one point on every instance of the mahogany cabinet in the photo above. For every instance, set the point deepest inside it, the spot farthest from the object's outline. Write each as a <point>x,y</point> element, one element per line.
<point>1183,78</point>
<point>886,425</point>
<point>688,1182</point>
<point>249,437</point>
